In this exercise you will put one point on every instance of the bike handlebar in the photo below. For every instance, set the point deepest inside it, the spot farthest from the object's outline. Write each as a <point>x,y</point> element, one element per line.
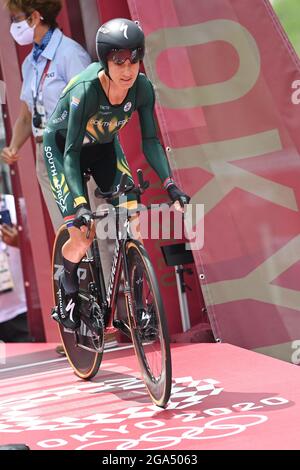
<point>124,187</point>
<point>130,212</point>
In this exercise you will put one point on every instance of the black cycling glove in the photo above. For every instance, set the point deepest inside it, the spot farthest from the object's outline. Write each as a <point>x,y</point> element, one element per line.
<point>175,194</point>
<point>84,216</point>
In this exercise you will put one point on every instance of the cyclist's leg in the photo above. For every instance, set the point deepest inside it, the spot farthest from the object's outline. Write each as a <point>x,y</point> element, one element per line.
<point>72,253</point>
<point>130,201</point>
<point>77,245</point>
<point>107,166</point>
<point>101,160</point>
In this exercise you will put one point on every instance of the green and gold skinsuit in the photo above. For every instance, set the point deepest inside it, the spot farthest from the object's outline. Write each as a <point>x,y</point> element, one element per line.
<point>83,132</point>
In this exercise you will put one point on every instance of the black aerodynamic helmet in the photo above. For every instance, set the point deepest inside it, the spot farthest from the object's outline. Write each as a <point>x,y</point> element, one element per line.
<point>119,33</point>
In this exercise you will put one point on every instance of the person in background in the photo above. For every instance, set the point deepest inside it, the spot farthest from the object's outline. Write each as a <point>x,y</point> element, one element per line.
<point>13,308</point>
<point>54,60</point>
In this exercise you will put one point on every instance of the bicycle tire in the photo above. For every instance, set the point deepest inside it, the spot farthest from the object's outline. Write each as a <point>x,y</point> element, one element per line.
<point>84,363</point>
<point>159,387</point>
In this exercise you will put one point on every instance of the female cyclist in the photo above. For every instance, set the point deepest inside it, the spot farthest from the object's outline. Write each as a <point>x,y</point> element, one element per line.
<point>83,134</point>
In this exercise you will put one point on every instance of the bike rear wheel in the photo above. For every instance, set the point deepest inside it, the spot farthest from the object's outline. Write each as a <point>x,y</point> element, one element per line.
<point>150,337</point>
<point>78,346</point>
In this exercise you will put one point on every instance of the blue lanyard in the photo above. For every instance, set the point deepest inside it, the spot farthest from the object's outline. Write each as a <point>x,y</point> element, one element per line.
<point>39,86</point>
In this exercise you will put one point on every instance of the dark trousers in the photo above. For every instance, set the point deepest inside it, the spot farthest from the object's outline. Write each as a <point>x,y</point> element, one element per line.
<point>15,330</point>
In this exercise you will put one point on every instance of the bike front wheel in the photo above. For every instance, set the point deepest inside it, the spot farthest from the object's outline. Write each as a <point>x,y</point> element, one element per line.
<point>148,324</point>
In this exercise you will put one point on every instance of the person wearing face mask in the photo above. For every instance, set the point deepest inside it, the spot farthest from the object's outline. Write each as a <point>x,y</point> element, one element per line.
<point>54,60</point>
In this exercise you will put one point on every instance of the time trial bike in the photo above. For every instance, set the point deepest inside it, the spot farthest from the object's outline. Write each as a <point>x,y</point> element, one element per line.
<point>145,321</point>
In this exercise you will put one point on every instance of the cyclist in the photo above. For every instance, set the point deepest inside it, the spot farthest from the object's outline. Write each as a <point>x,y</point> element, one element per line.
<point>83,134</point>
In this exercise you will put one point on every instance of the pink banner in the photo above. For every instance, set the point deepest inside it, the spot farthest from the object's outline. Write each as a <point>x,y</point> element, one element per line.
<point>225,77</point>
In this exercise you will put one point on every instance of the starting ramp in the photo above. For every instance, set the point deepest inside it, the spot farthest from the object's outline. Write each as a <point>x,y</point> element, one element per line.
<point>223,397</point>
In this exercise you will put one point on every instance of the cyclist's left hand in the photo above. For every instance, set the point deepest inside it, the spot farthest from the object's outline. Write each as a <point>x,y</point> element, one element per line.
<point>83,217</point>
<point>178,197</point>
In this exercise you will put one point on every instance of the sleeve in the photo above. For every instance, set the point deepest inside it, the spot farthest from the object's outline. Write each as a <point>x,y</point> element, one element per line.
<point>78,118</point>
<point>24,94</point>
<point>80,61</point>
<point>152,147</point>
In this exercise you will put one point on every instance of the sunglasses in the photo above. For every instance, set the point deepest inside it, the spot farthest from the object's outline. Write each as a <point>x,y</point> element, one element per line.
<point>119,56</point>
<point>22,17</point>
<point>18,18</point>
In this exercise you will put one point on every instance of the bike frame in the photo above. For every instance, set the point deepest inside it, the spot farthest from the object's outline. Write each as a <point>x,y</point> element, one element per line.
<point>107,298</point>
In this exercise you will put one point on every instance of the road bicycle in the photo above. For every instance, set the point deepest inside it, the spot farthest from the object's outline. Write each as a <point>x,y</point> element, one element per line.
<point>145,321</point>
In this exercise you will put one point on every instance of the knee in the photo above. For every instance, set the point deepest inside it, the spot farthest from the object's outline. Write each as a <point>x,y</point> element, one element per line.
<point>80,240</point>
<point>83,244</point>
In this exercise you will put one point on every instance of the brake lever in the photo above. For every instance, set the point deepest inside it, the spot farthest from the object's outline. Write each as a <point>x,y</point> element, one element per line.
<point>143,185</point>
<point>122,185</point>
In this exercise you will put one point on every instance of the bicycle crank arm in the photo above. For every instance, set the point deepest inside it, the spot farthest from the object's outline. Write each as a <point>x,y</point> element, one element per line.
<point>95,328</point>
<point>123,327</point>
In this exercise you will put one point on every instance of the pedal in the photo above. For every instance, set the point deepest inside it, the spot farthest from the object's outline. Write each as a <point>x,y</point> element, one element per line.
<point>54,314</point>
<point>117,324</point>
<point>93,325</point>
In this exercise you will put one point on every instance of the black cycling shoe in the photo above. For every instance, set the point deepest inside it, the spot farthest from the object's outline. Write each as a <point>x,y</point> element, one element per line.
<point>67,311</point>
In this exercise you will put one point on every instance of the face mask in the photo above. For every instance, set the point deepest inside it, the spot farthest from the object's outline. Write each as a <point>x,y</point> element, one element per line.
<point>22,33</point>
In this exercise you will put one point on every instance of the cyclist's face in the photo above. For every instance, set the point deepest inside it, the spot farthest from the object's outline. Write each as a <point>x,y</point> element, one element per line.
<point>123,75</point>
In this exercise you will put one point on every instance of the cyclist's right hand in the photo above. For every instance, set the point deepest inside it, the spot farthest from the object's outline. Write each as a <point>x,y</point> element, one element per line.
<point>84,216</point>
<point>175,194</point>
<point>9,155</point>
